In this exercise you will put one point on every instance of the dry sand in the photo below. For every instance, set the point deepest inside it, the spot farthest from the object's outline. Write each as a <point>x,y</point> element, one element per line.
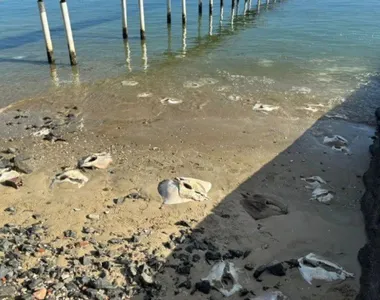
<point>230,145</point>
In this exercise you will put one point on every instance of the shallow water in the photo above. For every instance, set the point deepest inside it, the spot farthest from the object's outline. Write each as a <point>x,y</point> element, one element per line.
<point>298,52</point>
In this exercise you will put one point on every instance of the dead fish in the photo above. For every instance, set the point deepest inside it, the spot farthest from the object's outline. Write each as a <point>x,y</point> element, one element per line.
<point>220,273</point>
<point>71,176</point>
<point>168,100</point>
<point>129,83</point>
<point>11,178</point>
<point>314,182</point>
<point>264,107</point>
<point>261,206</point>
<point>96,160</point>
<point>183,189</point>
<point>312,267</point>
<point>337,143</point>
<point>322,195</point>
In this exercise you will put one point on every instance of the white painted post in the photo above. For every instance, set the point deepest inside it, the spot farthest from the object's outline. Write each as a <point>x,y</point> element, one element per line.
<point>221,10</point>
<point>210,25</point>
<point>211,4</point>
<point>169,11</point>
<point>183,11</point>
<point>69,33</point>
<point>200,7</point>
<point>46,31</point>
<point>142,19</point>
<point>245,6</point>
<point>258,5</point>
<point>124,18</point>
<point>267,2</point>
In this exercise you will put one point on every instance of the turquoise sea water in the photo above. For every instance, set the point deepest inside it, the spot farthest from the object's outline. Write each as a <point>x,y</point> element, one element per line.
<point>325,49</point>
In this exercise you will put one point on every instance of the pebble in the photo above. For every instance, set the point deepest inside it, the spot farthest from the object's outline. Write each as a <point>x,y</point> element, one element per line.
<point>93,217</point>
<point>203,286</point>
<point>85,260</point>
<point>21,166</point>
<point>119,200</point>
<point>40,294</point>
<point>10,150</point>
<point>249,267</point>
<point>70,234</point>
<point>88,230</point>
<point>196,258</point>
<point>7,291</point>
<point>213,255</point>
<point>10,209</point>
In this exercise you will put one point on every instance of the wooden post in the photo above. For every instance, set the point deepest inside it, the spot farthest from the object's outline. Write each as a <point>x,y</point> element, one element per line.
<point>210,25</point>
<point>169,11</point>
<point>183,12</point>
<point>221,10</point>
<point>233,5</point>
<point>200,7</point>
<point>267,2</point>
<point>237,7</point>
<point>169,39</point>
<point>211,4</point>
<point>245,7</point>
<point>124,18</point>
<point>142,19</point>
<point>258,5</point>
<point>46,31</point>
<point>199,28</point>
<point>69,33</point>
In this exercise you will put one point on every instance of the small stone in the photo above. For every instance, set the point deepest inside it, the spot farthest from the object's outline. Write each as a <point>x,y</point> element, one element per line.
<point>101,284</point>
<point>88,230</point>
<point>277,269</point>
<point>10,150</point>
<point>243,292</point>
<point>119,200</point>
<point>203,286</point>
<point>190,248</point>
<point>196,258</point>
<point>186,284</point>
<point>183,257</point>
<point>183,269</point>
<point>10,209</point>
<point>93,217</point>
<point>246,253</point>
<point>182,223</point>
<point>213,255</point>
<point>85,260</point>
<point>134,196</point>
<point>167,245</point>
<point>35,284</point>
<point>249,267</point>
<point>106,265</point>
<point>115,241</point>
<point>70,234</point>
<point>236,253</point>
<point>7,292</point>
<point>40,294</point>
<point>84,280</point>
<point>21,166</point>
<point>36,216</point>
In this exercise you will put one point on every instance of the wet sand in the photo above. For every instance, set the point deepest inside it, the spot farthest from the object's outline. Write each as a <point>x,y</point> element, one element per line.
<point>232,146</point>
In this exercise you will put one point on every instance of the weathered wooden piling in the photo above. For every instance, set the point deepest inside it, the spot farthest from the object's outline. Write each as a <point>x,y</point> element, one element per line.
<point>245,7</point>
<point>210,7</point>
<point>142,19</point>
<point>124,18</point>
<point>210,25</point>
<point>184,12</point>
<point>267,2</point>
<point>69,33</point>
<point>46,32</point>
<point>200,7</point>
<point>169,11</point>
<point>258,5</point>
<point>233,5</point>
<point>237,7</point>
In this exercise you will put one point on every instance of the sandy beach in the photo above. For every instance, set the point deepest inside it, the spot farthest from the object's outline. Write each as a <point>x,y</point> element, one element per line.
<point>237,149</point>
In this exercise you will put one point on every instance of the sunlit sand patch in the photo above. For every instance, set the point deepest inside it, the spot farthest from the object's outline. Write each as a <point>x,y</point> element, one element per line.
<point>234,98</point>
<point>168,100</point>
<point>144,95</point>
<point>129,83</point>
<point>301,90</point>
<point>265,63</point>
<point>264,107</point>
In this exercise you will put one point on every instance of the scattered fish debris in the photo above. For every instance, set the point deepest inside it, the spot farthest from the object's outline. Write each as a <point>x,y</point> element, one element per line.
<point>224,272</point>
<point>337,143</point>
<point>41,132</point>
<point>312,267</point>
<point>144,95</point>
<point>10,177</point>
<point>96,160</point>
<point>320,194</point>
<point>275,268</point>
<point>264,107</point>
<point>261,206</point>
<point>168,100</point>
<point>129,83</point>
<point>183,189</point>
<point>272,295</point>
<point>70,176</point>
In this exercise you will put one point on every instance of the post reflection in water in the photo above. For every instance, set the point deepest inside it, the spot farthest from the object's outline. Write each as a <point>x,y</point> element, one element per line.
<point>169,38</point>
<point>210,25</point>
<point>144,54</point>
<point>75,75</point>
<point>54,75</point>
<point>184,36</point>
<point>127,51</point>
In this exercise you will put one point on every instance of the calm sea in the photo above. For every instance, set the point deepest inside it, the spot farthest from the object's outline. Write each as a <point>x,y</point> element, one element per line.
<point>324,49</point>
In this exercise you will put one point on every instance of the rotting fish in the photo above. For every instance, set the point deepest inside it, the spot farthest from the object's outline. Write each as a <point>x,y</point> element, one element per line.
<point>96,160</point>
<point>70,176</point>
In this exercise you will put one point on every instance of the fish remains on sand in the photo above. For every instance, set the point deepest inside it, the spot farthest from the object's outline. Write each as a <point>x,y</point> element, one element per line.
<point>183,189</point>
<point>96,160</point>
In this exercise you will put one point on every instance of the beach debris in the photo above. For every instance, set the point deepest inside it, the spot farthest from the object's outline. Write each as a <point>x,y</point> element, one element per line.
<point>41,132</point>
<point>70,176</point>
<point>192,84</point>
<point>96,160</point>
<point>312,267</point>
<point>264,107</point>
<point>129,83</point>
<point>168,100</point>
<point>93,217</point>
<point>261,206</point>
<point>337,143</point>
<point>234,98</point>
<point>312,107</point>
<point>322,195</point>
<point>272,295</point>
<point>10,177</point>
<point>221,273</point>
<point>183,189</point>
<point>51,137</point>
<point>145,95</point>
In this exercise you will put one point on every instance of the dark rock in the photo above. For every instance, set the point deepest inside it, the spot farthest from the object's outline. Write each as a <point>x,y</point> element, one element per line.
<point>228,256</point>
<point>186,284</point>
<point>203,286</point>
<point>184,269</point>
<point>119,200</point>
<point>210,245</point>
<point>5,163</point>
<point>190,248</point>
<point>85,260</point>
<point>167,245</point>
<point>196,258</point>
<point>277,269</point>
<point>21,166</point>
<point>84,280</point>
<point>32,285</point>
<point>71,287</point>
<point>246,253</point>
<point>92,293</point>
<point>182,223</point>
<point>293,263</point>
<point>10,209</point>
<point>243,293</point>
<point>115,241</point>
<point>36,216</point>
<point>70,234</point>
<point>116,294</point>
<point>213,255</point>
<point>184,257</point>
<point>249,267</point>
<point>225,216</point>
<point>88,230</point>
<point>236,253</point>
<point>101,284</point>
<point>106,265</point>
<point>134,196</point>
